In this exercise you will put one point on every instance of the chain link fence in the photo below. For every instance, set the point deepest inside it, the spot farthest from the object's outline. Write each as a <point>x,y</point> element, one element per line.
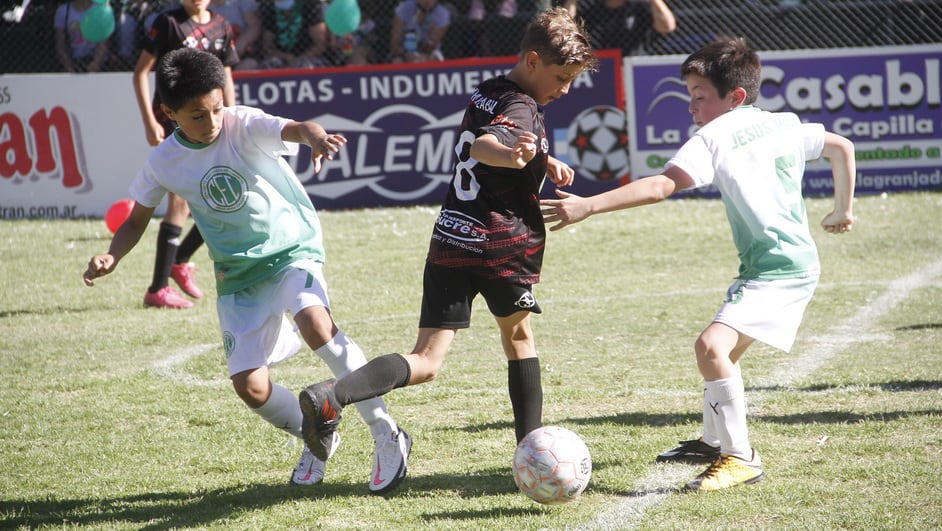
<point>28,39</point>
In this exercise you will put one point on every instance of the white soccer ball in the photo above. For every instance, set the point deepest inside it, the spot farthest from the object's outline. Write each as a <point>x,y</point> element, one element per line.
<point>552,465</point>
<point>598,144</point>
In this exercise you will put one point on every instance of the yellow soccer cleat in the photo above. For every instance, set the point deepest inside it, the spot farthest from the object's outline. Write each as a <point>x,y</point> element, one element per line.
<point>728,471</point>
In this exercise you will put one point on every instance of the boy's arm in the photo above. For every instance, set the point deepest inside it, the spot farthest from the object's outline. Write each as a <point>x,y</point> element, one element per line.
<point>312,134</point>
<point>125,238</point>
<point>153,131</point>
<point>228,94</point>
<point>840,151</point>
<point>571,208</point>
<point>486,149</point>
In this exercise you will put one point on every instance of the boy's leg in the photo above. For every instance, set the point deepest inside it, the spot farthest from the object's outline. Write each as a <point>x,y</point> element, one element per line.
<point>344,357</point>
<point>523,372</point>
<point>183,272</point>
<point>160,294</point>
<point>279,407</point>
<point>724,395</point>
<point>717,348</point>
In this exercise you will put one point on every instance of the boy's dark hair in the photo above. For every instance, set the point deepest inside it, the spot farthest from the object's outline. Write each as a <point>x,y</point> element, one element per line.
<point>187,73</point>
<point>559,40</point>
<point>728,62</point>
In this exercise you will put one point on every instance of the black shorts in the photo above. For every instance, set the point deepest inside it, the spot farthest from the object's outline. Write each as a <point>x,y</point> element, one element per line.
<point>447,295</point>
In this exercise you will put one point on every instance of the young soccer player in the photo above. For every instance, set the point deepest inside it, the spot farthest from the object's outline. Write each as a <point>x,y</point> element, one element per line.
<point>756,159</point>
<point>264,237</point>
<point>190,25</point>
<point>489,235</point>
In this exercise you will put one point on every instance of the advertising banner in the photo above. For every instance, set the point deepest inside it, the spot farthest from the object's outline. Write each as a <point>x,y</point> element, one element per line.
<point>401,125</point>
<point>886,100</point>
<point>71,143</point>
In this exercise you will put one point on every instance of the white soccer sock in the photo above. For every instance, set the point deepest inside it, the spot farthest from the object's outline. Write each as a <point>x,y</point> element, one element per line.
<point>343,356</point>
<point>282,410</point>
<point>727,399</point>
<point>709,422</point>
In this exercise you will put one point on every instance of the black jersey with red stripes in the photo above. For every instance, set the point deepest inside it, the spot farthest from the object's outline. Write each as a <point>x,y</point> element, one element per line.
<point>174,28</point>
<point>490,221</point>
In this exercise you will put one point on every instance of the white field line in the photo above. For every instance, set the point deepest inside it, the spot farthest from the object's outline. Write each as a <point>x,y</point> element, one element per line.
<point>662,481</point>
<point>169,368</point>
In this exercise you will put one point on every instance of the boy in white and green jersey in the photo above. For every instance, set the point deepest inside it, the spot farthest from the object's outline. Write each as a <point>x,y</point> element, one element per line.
<point>265,240</point>
<point>756,159</point>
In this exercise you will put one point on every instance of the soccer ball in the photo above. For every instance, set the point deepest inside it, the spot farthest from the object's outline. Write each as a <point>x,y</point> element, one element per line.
<point>552,465</point>
<point>598,144</point>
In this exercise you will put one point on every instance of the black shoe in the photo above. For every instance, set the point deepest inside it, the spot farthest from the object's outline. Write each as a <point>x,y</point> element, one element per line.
<point>321,416</point>
<point>694,451</point>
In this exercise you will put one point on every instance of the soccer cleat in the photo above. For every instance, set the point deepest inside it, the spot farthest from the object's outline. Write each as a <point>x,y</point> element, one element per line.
<point>185,276</point>
<point>166,297</point>
<point>694,451</point>
<point>390,461</point>
<point>728,471</point>
<point>310,470</point>
<point>321,416</point>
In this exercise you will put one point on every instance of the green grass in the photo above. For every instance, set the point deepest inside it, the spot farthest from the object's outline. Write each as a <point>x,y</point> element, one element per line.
<point>117,417</point>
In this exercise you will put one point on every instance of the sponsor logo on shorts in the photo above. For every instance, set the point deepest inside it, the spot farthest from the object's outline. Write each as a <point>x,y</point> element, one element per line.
<point>525,301</point>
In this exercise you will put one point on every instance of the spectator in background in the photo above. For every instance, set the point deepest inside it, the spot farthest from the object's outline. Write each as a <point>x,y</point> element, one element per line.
<point>628,25</point>
<point>294,34</point>
<point>77,54</point>
<point>189,25</point>
<point>418,28</point>
<point>246,23</point>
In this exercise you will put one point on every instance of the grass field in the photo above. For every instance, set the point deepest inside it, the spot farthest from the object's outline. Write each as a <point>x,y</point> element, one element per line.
<point>117,417</point>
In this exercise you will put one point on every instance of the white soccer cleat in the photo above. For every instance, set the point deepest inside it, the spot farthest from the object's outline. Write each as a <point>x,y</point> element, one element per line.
<point>390,461</point>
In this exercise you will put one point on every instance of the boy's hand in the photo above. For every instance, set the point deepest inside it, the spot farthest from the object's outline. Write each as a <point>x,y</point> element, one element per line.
<point>99,266</point>
<point>569,209</point>
<point>524,149</point>
<point>837,223</point>
<point>326,147</point>
<point>559,172</point>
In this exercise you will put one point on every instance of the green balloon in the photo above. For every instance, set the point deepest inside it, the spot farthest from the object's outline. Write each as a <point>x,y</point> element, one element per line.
<point>342,16</point>
<point>98,22</point>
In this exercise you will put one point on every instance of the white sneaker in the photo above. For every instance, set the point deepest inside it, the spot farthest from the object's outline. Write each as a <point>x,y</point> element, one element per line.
<point>310,469</point>
<point>390,461</point>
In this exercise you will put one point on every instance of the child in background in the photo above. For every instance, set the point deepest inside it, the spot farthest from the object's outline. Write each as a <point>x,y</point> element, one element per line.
<point>190,25</point>
<point>756,159</point>
<point>265,239</point>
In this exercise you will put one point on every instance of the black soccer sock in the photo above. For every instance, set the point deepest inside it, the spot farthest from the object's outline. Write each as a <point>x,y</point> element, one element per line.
<point>378,377</point>
<point>168,241</point>
<point>526,395</point>
<point>190,244</point>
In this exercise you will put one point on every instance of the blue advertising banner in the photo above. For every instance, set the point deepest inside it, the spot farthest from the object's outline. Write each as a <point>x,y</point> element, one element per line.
<point>886,100</point>
<point>401,123</point>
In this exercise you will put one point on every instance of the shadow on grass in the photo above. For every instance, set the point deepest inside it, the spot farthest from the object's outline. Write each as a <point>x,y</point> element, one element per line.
<point>174,510</point>
<point>623,419</point>
<point>921,326</point>
<point>891,386</point>
<point>158,510</point>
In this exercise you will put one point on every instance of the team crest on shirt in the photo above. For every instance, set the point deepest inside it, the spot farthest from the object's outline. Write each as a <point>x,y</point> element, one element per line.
<point>224,189</point>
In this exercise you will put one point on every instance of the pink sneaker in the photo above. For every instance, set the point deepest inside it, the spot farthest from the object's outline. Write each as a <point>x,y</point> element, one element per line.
<point>166,297</point>
<point>185,276</point>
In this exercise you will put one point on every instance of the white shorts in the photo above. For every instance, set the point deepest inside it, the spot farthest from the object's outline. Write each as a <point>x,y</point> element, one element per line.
<point>256,328</point>
<point>768,310</point>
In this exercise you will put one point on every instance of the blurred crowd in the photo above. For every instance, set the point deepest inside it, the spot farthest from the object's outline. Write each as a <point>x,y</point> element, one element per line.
<point>296,33</point>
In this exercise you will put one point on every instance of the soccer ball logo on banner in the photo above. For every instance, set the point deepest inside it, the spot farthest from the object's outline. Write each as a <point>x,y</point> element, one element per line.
<point>598,144</point>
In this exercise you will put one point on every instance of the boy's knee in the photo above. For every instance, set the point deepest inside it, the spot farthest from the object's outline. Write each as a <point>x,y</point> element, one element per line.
<point>252,391</point>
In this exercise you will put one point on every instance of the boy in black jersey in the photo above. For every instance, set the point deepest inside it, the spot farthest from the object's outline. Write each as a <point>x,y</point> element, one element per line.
<point>191,25</point>
<point>488,238</point>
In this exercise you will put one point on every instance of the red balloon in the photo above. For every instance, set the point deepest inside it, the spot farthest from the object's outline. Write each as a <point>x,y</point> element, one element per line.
<point>118,213</point>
